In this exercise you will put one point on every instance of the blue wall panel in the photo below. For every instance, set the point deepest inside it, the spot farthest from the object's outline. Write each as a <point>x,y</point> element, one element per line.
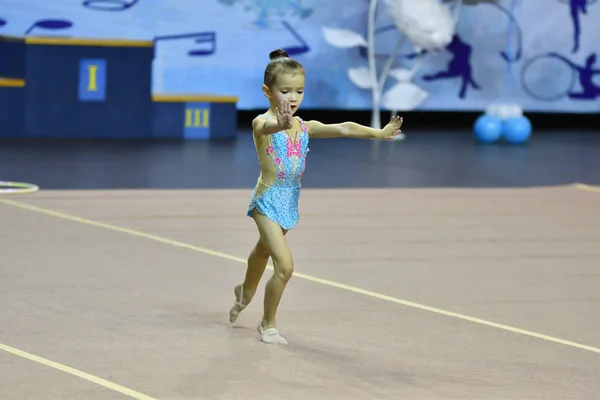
<point>53,92</point>
<point>12,111</point>
<point>12,57</point>
<point>193,120</point>
<point>168,120</point>
<point>223,120</point>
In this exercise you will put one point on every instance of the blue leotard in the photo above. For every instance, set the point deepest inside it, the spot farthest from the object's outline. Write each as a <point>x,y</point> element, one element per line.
<point>282,164</point>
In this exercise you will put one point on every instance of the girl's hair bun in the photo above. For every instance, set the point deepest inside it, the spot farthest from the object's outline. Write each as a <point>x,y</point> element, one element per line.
<point>279,53</point>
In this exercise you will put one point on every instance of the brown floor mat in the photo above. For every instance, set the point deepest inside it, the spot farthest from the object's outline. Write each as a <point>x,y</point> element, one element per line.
<point>386,281</point>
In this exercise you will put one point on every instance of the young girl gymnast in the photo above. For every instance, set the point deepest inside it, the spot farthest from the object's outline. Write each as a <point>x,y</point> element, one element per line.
<point>281,142</point>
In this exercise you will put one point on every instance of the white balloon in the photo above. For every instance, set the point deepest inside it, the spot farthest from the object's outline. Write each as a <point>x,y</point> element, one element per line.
<point>515,110</point>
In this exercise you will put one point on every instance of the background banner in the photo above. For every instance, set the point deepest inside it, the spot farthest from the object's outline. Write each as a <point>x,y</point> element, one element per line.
<point>222,47</point>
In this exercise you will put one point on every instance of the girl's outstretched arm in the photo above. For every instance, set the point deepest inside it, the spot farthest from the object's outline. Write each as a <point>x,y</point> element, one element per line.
<point>266,126</point>
<point>318,130</point>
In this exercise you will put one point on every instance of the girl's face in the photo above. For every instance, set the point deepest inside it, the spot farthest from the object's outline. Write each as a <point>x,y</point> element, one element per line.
<point>288,86</point>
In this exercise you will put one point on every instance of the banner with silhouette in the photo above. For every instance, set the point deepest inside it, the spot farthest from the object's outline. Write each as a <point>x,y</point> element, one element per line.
<point>541,54</point>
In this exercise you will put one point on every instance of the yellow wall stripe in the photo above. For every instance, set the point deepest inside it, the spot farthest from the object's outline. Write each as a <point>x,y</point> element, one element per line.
<point>54,41</point>
<point>184,98</point>
<point>10,82</point>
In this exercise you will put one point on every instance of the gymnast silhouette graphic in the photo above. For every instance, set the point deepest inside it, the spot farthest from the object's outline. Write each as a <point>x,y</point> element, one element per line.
<point>589,90</point>
<point>458,67</point>
<point>577,7</point>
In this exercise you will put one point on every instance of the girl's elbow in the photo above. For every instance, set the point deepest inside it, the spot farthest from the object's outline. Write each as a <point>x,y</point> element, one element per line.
<point>345,129</point>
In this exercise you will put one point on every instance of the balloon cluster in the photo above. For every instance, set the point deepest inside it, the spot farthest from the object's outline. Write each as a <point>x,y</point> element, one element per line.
<point>503,121</point>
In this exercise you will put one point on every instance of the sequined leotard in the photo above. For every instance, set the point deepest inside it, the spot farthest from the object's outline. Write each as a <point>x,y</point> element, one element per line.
<point>282,164</point>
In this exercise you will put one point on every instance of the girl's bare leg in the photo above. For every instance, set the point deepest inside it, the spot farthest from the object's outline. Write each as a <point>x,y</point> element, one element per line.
<point>273,238</point>
<point>244,293</point>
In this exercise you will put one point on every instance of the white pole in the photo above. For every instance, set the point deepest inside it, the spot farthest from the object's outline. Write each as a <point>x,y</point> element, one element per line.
<point>376,117</point>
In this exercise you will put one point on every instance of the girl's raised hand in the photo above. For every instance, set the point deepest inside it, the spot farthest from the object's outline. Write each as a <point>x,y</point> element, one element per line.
<point>285,119</point>
<point>391,130</point>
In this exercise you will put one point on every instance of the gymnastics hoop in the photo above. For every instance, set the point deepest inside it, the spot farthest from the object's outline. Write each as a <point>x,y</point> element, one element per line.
<point>17,188</point>
<point>529,63</point>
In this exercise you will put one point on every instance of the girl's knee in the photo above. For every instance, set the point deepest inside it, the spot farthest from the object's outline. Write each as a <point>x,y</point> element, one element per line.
<point>285,275</point>
<point>284,271</point>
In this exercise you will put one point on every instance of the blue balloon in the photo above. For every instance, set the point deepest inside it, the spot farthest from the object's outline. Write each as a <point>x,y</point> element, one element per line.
<point>516,130</point>
<point>488,128</point>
